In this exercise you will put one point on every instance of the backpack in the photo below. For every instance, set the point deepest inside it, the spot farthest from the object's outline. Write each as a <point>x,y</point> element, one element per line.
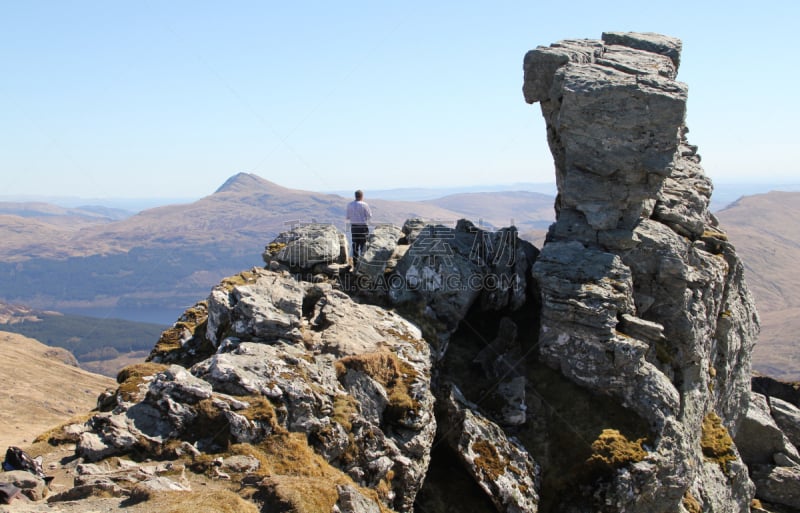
<point>17,459</point>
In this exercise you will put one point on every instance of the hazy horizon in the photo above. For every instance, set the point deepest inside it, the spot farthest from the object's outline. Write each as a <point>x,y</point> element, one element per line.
<point>724,193</point>
<point>130,99</point>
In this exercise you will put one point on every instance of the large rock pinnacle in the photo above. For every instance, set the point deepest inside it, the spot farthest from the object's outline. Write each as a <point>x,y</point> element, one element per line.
<point>643,298</point>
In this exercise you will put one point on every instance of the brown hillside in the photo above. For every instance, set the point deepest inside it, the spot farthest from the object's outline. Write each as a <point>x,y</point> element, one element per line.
<point>41,387</point>
<point>246,211</point>
<point>164,259</point>
<point>765,228</point>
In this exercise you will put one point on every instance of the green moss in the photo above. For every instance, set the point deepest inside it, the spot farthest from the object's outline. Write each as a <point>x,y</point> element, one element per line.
<point>665,353</point>
<point>612,450</point>
<point>716,442</point>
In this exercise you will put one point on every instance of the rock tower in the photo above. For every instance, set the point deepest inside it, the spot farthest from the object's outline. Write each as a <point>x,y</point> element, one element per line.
<point>643,297</point>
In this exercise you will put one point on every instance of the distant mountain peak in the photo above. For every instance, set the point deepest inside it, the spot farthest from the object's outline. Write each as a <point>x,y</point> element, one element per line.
<point>247,182</point>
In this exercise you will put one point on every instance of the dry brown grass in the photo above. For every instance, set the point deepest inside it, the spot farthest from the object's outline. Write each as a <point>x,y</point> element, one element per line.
<point>390,371</point>
<point>344,408</point>
<point>38,391</point>
<point>56,434</point>
<point>243,278</point>
<point>296,476</point>
<point>218,501</point>
<point>192,320</point>
<point>131,377</point>
<point>301,494</point>
<point>691,504</point>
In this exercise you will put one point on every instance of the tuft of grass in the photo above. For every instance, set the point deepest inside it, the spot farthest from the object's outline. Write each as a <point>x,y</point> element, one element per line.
<point>300,478</point>
<point>130,377</point>
<point>243,278</point>
<point>710,233</point>
<point>170,347</point>
<point>260,409</point>
<point>273,248</point>
<point>344,407</point>
<point>298,494</point>
<point>57,436</point>
<point>716,442</point>
<point>217,501</point>
<point>691,504</point>
<point>395,375</point>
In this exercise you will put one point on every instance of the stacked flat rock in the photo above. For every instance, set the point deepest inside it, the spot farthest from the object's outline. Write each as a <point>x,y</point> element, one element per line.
<point>643,298</point>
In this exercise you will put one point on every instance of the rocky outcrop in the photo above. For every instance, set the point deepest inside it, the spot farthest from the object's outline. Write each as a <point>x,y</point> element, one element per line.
<point>445,271</point>
<point>294,361</point>
<point>500,465</point>
<point>767,440</point>
<point>787,417</point>
<point>760,440</point>
<point>31,486</point>
<point>643,298</point>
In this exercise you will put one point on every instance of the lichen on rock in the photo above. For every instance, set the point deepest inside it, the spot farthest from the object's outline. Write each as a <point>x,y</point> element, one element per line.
<point>635,273</point>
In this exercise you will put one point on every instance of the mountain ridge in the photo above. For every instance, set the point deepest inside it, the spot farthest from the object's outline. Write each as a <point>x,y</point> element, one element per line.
<point>201,248</point>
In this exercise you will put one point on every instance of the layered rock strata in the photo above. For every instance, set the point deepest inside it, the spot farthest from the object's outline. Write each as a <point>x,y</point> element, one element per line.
<point>643,298</point>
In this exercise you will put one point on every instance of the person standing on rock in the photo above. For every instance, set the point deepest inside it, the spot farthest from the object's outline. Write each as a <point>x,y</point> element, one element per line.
<point>358,215</point>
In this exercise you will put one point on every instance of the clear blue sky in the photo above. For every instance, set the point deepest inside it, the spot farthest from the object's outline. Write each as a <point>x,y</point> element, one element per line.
<point>169,98</point>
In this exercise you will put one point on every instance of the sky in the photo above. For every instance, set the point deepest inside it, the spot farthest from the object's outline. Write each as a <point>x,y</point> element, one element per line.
<point>148,98</point>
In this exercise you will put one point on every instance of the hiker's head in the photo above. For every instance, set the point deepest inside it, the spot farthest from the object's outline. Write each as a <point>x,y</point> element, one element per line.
<point>359,195</point>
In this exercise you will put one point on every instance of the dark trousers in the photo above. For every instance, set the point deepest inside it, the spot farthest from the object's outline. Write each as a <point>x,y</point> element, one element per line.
<point>358,233</point>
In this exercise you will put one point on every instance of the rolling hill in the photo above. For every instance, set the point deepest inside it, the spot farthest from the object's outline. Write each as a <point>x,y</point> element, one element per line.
<point>42,387</point>
<point>152,265</point>
<point>99,345</point>
<point>765,229</point>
